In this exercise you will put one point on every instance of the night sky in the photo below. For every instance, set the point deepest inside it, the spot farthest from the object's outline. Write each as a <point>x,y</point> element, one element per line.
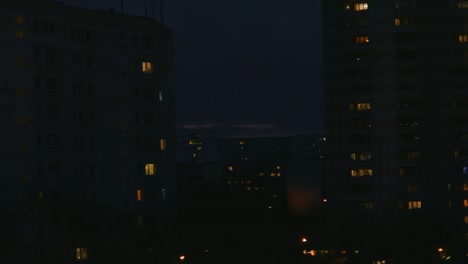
<point>243,62</point>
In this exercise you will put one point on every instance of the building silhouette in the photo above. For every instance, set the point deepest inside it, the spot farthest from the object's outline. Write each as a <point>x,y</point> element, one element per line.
<point>396,93</point>
<point>87,135</point>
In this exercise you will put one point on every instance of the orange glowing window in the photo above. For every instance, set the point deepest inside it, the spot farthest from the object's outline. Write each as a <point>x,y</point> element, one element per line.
<point>162,144</point>
<point>361,172</point>
<point>361,39</point>
<point>361,6</point>
<point>463,38</point>
<point>150,169</point>
<point>139,196</point>
<point>81,253</point>
<point>147,67</point>
<point>465,203</point>
<point>414,205</point>
<point>230,168</point>
<point>465,186</point>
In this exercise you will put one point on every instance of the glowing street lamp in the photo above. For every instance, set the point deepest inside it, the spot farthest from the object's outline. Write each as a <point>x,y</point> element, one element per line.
<point>304,240</point>
<point>182,258</point>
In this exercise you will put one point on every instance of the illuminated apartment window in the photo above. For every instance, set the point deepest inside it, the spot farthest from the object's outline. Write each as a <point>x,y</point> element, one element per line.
<point>397,22</point>
<point>241,143</point>
<point>278,174</point>
<point>139,196</point>
<point>19,34</point>
<point>147,67</point>
<point>22,121</point>
<point>81,253</point>
<point>199,148</point>
<point>463,4</point>
<point>463,38</point>
<point>361,172</point>
<point>347,7</point>
<point>162,144</point>
<point>230,167</point>
<point>361,6</point>
<point>360,107</point>
<point>465,203</point>
<point>361,39</point>
<point>272,174</point>
<point>149,169</point>
<point>465,186</point>
<point>414,205</point>
<point>19,20</point>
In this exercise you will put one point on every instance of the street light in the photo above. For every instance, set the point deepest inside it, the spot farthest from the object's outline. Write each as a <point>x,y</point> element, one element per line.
<point>304,240</point>
<point>182,258</point>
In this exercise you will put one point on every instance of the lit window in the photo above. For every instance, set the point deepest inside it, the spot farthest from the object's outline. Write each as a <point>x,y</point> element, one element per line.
<point>462,38</point>
<point>241,143</point>
<point>22,121</point>
<point>414,205</point>
<point>19,34</point>
<point>465,203</point>
<point>162,144</point>
<point>347,7</point>
<point>19,20</point>
<point>397,22</point>
<point>81,253</point>
<point>160,96</point>
<point>361,6</point>
<point>149,169</point>
<point>361,39</point>
<point>465,186</point>
<point>278,167</point>
<point>278,174</point>
<point>147,67</point>
<point>139,196</point>
<point>361,172</point>
<point>463,4</point>
<point>260,174</point>
<point>199,148</point>
<point>230,168</point>
<point>360,107</point>
<point>272,174</point>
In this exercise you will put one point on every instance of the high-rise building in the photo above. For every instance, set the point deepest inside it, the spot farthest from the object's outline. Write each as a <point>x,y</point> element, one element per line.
<point>397,110</point>
<point>87,134</point>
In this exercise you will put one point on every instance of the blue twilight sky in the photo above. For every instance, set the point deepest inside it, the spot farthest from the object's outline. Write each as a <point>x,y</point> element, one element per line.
<point>242,62</point>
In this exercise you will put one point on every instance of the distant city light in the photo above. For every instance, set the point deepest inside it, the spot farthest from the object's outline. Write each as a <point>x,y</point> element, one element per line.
<point>182,258</point>
<point>304,240</point>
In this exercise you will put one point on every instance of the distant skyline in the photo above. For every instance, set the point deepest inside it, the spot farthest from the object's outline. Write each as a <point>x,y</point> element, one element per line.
<point>249,62</point>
